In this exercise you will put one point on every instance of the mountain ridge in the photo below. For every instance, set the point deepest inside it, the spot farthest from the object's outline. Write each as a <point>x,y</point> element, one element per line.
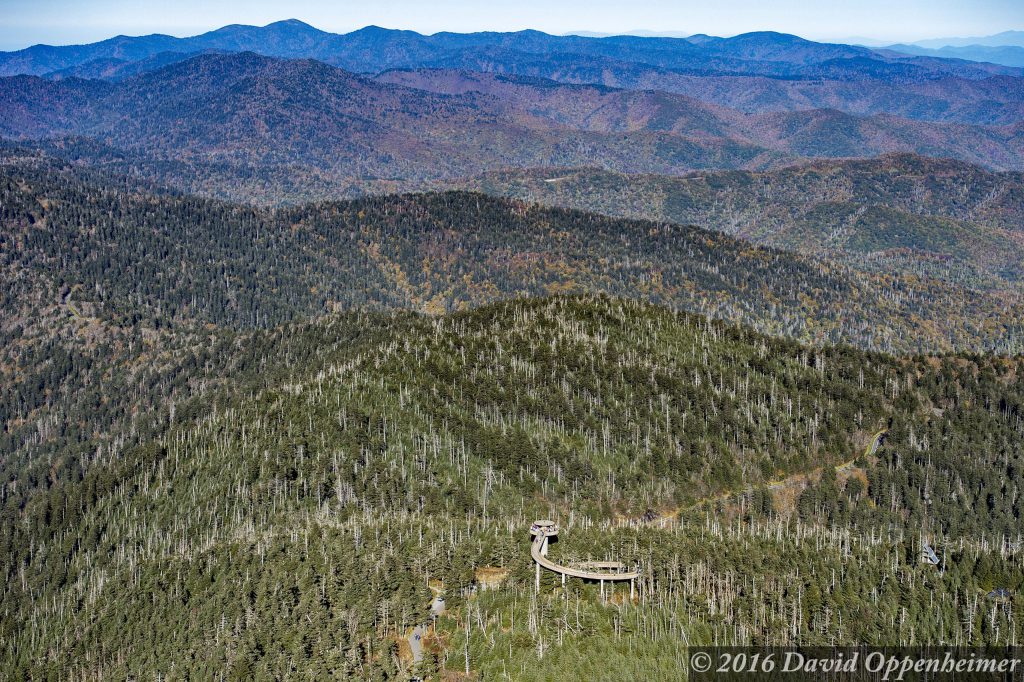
<point>293,38</point>
<point>899,213</point>
<point>387,455</point>
<point>447,251</point>
<point>254,116</point>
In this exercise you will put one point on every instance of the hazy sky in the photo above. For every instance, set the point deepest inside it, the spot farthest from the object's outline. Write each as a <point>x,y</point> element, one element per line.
<point>26,22</point>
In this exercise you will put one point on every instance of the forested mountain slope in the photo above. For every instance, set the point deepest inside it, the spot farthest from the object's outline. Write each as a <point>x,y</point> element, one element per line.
<point>897,213</point>
<point>995,100</point>
<point>291,524</point>
<point>133,255</point>
<point>259,117</point>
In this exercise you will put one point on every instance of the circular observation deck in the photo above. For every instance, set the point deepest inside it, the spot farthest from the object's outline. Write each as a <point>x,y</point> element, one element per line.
<point>544,528</point>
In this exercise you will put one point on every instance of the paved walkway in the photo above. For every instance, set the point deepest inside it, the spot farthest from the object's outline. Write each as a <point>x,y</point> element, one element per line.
<point>420,631</point>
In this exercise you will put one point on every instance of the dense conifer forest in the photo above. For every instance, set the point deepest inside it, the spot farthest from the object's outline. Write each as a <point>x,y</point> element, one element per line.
<point>294,522</point>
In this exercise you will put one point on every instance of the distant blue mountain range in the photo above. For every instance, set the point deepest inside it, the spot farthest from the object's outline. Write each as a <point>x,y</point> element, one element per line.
<point>373,49</point>
<point>1008,55</point>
